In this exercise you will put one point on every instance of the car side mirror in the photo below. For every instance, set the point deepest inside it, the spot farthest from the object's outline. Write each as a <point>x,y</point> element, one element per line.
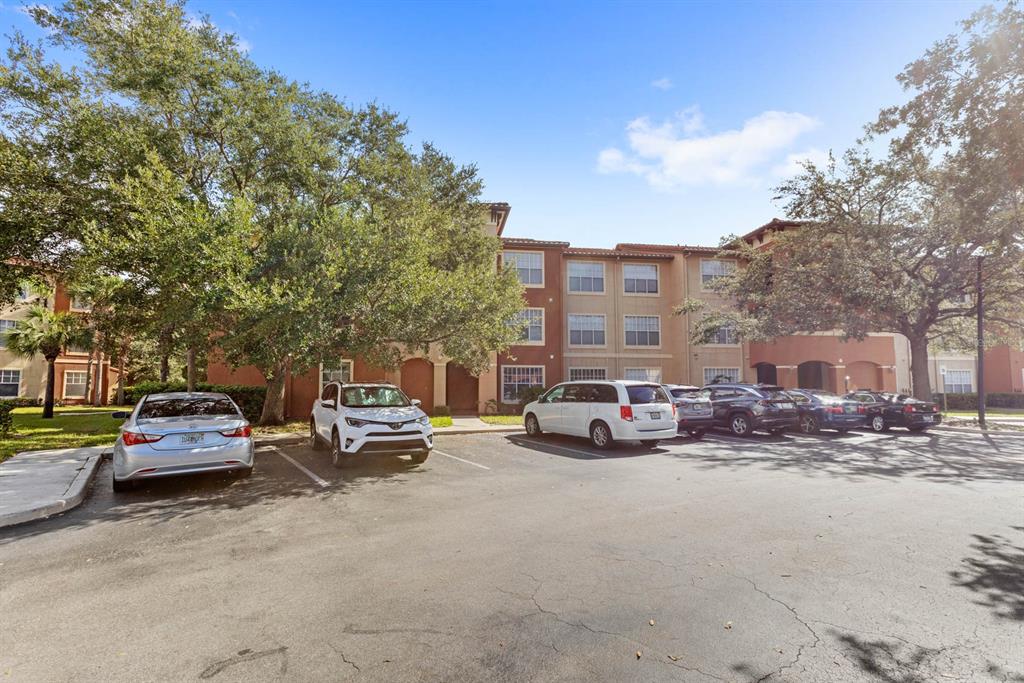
<point>120,415</point>
<point>417,402</point>
<point>327,404</point>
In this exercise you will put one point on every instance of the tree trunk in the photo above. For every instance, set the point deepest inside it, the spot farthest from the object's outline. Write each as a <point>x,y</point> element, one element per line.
<point>165,367</point>
<point>97,399</point>
<point>920,382</point>
<point>190,364</point>
<point>273,404</point>
<point>88,376</point>
<point>48,400</point>
<point>120,378</point>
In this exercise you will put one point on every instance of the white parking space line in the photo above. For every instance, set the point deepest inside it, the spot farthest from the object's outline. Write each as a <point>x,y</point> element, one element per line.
<point>322,482</point>
<point>455,457</point>
<point>565,448</point>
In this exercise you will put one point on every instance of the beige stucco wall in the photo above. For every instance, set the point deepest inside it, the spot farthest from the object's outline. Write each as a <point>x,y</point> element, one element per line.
<point>33,370</point>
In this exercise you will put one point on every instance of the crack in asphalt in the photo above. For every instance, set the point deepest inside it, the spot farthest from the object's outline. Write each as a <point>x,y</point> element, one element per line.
<point>801,648</point>
<point>665,657</point>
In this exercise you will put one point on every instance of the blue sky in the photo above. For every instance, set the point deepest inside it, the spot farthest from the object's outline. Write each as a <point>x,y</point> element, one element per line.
<point>607,122</point>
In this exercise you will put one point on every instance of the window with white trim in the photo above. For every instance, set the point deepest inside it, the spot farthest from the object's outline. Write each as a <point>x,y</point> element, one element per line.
<point>528,264</point>
<point>721,375</point>
<point>532,321</point>
<point>958,381</point>
<point>640,278</point>
<point>342,372</point>
<point>74,383</point>
<point>586,276</point>
<point>5,327</point>
<point>643,374</point>
<point>10,383</point>
<point>586,330</point>
<point>584,374</point>
<point>711,269</point>
<point>643,330</point>
<point>517,378</point>
<point>80,304</point>
<point>726,334</point>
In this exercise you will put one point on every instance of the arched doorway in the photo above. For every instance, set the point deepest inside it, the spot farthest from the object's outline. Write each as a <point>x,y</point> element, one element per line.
<point>767,373</point>
<point>814,374</point>
<point>864,374</point>
<point>463,390</point>
<point>418,382</point>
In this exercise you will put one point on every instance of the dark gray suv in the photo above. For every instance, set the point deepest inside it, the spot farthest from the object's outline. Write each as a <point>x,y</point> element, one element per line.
<point>744,408</point>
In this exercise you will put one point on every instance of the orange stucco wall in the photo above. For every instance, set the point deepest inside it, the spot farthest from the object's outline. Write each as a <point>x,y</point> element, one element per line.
<point>1004,370</point>
<point>869,363</point>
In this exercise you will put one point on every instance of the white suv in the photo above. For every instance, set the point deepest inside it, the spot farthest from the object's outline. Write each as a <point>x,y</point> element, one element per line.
<point>605,411</point>
<point>355,419</point>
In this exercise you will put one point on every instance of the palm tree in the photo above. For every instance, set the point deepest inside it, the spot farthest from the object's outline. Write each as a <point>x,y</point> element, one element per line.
<point>46,333</point>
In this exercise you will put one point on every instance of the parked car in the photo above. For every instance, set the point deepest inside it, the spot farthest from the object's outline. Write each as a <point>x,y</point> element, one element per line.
<point>821,409</point>
<point>744,408</point>
<point>885,410</point>
<point>693,409</point>
<point>606,411</point>
<point>357,419</point>
<point>181,433</point>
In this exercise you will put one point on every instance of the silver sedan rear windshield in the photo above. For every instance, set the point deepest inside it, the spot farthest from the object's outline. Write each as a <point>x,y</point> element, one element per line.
<point>646,393</point>
<point>187,407</point>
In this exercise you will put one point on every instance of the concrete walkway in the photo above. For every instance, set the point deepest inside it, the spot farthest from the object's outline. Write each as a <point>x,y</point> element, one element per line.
<point>37,484</point>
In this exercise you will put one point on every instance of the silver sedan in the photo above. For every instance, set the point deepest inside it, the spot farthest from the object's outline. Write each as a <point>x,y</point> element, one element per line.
<point>181,433</point>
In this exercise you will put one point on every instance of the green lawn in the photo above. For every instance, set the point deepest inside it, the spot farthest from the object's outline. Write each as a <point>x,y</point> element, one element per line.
<point>502,419</point>
<point>1012,412</point>
<point>33,433</point>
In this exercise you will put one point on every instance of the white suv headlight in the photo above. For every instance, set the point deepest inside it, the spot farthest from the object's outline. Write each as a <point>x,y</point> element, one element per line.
<point>353,422</point>
<point>424,420</point>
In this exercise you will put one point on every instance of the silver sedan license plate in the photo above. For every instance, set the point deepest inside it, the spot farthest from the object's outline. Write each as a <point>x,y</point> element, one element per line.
<point>191,439</point>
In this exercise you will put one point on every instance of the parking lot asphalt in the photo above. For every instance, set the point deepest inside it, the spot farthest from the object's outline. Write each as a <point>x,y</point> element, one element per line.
<point>893,557</point>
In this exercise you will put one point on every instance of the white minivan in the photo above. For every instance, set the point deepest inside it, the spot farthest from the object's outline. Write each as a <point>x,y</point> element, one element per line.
<point>606,411</point>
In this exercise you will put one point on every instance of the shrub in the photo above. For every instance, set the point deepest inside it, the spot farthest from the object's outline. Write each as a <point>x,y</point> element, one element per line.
<point>442,411</point>
<point>970,401</point>
<point>21,402</point>
<point>249,399</point>
<point>6,419</point>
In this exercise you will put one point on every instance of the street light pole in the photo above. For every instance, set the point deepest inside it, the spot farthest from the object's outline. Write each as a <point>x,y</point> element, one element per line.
<point>981,346</point>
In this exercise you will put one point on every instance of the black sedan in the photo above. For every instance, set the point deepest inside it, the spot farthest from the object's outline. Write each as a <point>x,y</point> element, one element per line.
<point>693,409</point>
<point>885,410</point>
<point>824,410</point>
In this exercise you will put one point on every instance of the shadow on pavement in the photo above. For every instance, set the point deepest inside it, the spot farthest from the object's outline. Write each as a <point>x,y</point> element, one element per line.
<point>579,448</point>
<point>924,456</point>
<point>174,498</point>
<point>996,574</point>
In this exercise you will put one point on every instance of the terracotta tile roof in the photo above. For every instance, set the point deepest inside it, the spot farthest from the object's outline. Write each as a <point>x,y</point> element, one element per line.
<point>527,242</point>
<point>773,224</point>
<point>673,248</point>
<point>616,253</point>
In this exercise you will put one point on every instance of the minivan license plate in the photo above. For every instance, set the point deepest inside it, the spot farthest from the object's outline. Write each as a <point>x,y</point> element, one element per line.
<point>655,416</point>
<point>191,438</point>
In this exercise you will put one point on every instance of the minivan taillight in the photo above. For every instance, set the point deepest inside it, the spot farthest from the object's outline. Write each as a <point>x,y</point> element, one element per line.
<point>243,432</point>
<point>135,438</point>
<point>626,413</point>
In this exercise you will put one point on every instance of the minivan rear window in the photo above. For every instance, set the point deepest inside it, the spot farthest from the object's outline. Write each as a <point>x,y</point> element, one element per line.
<point>639,394</point>
<point>186,407</point>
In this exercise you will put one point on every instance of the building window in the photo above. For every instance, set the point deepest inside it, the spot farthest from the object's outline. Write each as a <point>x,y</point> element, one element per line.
<point>643,330</point>
<point>532,320</point>
<point>957,382</point>
<point>721,375</point>
<point>640,278</point>
<point>515,379</point>
<point>5,327</point>
<point>584,374</point>
<point>528,264</point>
<point>74,383</point>
<point>643,374</point>
<point>586,330</point>
<point>79,304</point>
<point>342,372</point>
<point>712,269</point>
<point>585,276</point>
<point>726,334</point>
<point>10,383</point>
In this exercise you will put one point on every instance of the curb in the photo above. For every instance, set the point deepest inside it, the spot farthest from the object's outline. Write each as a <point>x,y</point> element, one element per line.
<point>300,437</point>
<point>73,496</point>
<point>987,432</point>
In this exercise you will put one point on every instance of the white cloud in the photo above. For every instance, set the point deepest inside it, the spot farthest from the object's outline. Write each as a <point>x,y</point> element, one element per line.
<point>681,151</point>
<point>664,83</point>
<point>791,165</point>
